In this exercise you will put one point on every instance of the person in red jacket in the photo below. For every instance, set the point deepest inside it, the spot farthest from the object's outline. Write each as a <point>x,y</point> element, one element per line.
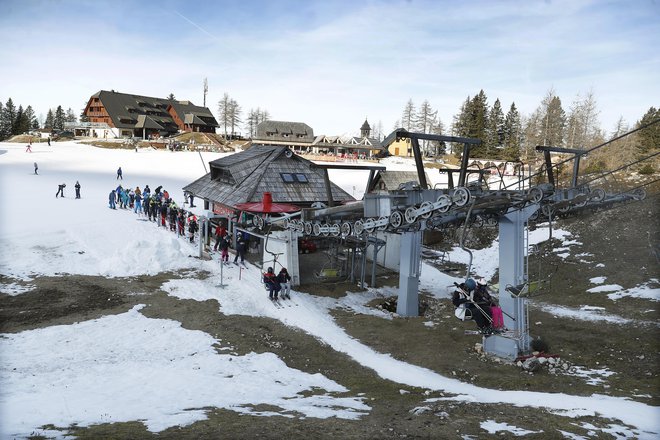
<point>270,280</point>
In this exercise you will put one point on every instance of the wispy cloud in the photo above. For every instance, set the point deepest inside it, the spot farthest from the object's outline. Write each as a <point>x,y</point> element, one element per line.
<point>331,63</point>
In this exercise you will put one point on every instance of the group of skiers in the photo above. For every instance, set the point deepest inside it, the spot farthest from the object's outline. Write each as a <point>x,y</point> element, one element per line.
<point>278,283</point>
<point>472,300</point>
<point>158,207</point>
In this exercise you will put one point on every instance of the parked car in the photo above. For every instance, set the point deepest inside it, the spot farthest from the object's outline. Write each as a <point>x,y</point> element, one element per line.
<point>306,246</point>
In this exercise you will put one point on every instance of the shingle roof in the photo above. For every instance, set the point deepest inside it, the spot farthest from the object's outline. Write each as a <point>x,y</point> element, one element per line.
<point>250,173</point>
<point>392,179</point>
<point>121,106</point>
<point>277,129</point>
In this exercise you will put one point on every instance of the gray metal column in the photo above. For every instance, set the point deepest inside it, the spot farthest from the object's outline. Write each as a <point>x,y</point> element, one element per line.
<point>512,273</point>
<point>409,268</point>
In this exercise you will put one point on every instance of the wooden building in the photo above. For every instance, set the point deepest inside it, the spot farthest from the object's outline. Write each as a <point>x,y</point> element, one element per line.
<point>112,114</point>
<point>245,176</point>
<point>385,181</point>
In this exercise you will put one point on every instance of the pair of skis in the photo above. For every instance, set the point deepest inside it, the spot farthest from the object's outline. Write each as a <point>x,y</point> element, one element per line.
<point>283,301</point>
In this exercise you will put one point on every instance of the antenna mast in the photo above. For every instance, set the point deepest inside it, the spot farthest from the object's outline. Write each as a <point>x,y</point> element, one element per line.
<point>206,90</point>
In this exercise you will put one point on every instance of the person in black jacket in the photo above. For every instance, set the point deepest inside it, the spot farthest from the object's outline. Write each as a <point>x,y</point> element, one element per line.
<point>60,190</point>
<point>285,281</point>
<point>77,186</point>
<point>240,250</point>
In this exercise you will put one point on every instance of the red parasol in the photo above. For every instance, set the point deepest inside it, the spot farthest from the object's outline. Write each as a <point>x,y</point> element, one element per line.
<point>267,206</point>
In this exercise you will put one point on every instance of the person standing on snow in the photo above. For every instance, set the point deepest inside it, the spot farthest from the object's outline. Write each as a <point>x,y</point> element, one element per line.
<point>220,232</point>
<point>240,250</point>
<point>285,281</point>
<point>36,168</point>
<point>224,248</point>
<point>138,202</point>
<point>119,174</point>
<point>60,190</point>
<point>192,227</point>
<point>77,186</point>
<point>111,199</point>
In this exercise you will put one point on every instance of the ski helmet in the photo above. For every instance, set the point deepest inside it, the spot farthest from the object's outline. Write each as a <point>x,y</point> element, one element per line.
<point>271,270</point>
<point>470,284</point>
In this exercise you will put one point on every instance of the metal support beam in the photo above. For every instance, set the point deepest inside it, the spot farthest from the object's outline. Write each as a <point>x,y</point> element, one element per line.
<point>512,274</point>
<point>409,271</point>
<point>465,158</point>
<point>328,188</point>
<point>421,176</point>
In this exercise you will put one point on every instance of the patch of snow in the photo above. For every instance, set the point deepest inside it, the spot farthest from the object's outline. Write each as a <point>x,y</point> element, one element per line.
<point>600,265</point>
<point>644,291</point>
<point>13,289</point>
<point>605,288</point>
<point>586,313</point>
<point>493,427</point>
<point>153,370</point>
<point>592,376</point>
<point>597,280</point>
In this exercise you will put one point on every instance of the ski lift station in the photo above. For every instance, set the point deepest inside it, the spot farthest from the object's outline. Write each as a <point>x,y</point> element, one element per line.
<point>285,202</point>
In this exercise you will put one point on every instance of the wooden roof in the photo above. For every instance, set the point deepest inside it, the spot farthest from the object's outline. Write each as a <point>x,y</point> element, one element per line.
<point>244,177</point>
<point>125,111</point>
<point>392,179</point>
<point>284,130</point>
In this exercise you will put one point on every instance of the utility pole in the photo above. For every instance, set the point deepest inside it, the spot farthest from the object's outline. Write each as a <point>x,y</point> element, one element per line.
<point>206,90</point>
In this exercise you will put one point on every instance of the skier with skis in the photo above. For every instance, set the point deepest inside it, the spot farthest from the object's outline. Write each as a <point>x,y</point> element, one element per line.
<point>285,281</point>
<point>465,297</point>
<point>270,280</point>
<point>77,186</point>
<point>111,199</point>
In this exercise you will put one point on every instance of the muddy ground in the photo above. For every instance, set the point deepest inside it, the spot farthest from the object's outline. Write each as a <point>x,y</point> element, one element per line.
<point>624,239</point>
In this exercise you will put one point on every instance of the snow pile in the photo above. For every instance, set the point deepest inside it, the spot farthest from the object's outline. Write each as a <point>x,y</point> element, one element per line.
<point>128,367</point>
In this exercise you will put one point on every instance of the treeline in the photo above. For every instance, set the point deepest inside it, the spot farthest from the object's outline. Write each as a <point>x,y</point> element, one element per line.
<point>513,136</point>
<point>230,117</point>
<point>15,121</point>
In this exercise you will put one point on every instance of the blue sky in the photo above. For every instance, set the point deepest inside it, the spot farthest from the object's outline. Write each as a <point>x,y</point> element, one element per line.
<point>333,63</point>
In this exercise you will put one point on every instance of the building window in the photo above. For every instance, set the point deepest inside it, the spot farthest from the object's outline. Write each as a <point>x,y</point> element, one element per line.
<point>288,177</point>
<point>294,177</point>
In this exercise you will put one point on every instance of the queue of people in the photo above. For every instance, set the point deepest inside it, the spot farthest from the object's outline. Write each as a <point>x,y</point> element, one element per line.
<point>156,206</point>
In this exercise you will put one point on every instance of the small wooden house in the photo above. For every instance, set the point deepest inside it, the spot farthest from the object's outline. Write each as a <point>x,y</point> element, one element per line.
<point>385,181</point>
<point>245,176</point>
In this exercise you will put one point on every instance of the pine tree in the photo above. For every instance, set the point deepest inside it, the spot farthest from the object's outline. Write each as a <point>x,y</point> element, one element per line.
<point>50,119</point>
<point>648,139</point>
<point>170,97</point>
<point>512,134</point>
<point>495,132</point>
<point>58,121</point>
<point>21,123</point>
<point>7,119</point>
<point>477,121</point>
<point>31,117</point>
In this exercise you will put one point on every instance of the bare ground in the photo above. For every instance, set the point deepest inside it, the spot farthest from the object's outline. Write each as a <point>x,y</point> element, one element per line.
<point>622,238</point>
